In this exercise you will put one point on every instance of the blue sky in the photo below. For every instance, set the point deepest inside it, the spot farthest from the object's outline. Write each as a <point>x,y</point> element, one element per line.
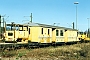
<point>62,12</point>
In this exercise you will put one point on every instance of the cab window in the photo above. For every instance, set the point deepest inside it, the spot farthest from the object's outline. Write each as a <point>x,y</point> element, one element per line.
<point>10,34</point>
<point>81,33</point>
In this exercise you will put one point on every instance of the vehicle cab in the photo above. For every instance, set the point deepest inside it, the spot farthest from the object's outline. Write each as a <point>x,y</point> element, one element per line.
<point>16,33</point>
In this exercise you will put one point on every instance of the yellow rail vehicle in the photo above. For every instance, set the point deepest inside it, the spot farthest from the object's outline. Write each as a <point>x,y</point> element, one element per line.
<point>83,36</point>
<point>53,34</point>
<point>16,33</point>
<point>39,33</point>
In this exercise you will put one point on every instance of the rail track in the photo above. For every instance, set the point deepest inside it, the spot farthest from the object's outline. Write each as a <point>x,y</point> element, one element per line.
<point>15,46</point>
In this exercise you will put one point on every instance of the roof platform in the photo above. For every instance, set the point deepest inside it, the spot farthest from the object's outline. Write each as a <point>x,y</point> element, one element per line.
<point>17,25</point>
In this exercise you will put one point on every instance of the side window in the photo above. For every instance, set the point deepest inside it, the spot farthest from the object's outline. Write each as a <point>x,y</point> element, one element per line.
<point>61,32</point>
<point>77,33</point>
<point>57,33</point>
<point>10,34</point>
<point>29,31</point>
<point>42,31</point>
<point>48,31</point>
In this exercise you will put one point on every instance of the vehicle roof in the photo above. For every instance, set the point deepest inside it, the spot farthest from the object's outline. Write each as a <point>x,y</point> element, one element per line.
<point>41,25</point>
<point>46,25</point>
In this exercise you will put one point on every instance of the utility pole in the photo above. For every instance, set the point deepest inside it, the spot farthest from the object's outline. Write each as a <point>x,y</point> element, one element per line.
<point>0,23</point>
<point>0,26</point>
<point>3,27</point>
<point>88,28</point>
<point>73,25</point>
<point>30,18</point>
<point>3,22</point>
<point>76,12</point>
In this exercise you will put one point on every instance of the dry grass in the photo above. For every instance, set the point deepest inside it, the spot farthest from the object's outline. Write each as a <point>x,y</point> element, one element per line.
<point>66,52</point>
